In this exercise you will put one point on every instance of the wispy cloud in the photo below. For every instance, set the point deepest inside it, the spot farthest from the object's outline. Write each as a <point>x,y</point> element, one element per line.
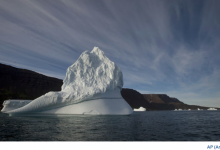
<point>161,46</point>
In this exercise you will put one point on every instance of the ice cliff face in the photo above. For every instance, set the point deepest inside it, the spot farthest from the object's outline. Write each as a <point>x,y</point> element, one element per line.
<point>92,76</point>
<point>92,73</point>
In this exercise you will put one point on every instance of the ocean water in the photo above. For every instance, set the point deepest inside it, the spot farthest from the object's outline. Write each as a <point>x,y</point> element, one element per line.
<point>140,126</point>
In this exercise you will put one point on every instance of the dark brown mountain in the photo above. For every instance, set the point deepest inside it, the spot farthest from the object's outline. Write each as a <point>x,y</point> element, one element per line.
<point>160,98</point>
<point>155,101</point>
<point>16,83</point>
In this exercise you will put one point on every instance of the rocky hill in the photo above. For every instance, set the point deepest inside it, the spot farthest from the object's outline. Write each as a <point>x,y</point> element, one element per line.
<point>24,84</point>
<point>19,83</point>
<point>155,101</point>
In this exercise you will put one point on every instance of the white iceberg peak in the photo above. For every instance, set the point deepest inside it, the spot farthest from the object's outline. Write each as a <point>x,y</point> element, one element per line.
<point>93,70</point>
<point>97,51</point>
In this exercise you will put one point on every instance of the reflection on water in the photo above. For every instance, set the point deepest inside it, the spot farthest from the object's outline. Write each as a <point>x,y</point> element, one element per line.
<point>140,126</point>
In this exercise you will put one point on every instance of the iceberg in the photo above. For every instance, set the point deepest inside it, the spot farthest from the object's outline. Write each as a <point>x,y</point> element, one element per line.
<point>212,109</point>
<point>92,86</point>
<point>140,109</point>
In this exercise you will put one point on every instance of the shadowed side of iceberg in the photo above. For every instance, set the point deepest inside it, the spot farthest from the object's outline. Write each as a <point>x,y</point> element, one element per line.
<point>109,103</point>
<point>92,107</point>
<point>9,105</point>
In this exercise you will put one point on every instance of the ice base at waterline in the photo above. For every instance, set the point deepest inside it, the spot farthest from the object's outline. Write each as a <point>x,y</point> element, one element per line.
<point>92,107</point>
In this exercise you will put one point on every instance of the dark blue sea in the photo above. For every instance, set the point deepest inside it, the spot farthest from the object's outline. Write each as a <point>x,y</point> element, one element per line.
<point>140,126</point>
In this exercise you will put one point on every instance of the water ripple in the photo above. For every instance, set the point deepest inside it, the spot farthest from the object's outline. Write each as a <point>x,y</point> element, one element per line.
<point>140,126</point>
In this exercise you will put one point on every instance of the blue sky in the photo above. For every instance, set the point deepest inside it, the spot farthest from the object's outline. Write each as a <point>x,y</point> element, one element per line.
<point>162,46</point>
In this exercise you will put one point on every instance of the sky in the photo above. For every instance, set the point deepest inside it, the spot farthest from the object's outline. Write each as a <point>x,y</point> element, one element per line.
<point>162,46</point>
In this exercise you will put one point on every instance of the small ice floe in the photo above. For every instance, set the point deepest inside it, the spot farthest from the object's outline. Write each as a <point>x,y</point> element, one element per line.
<point>140,109</point>
<point>181,109</point>
<point>178,109</point>
<point>212,109</point>
<point>200,109</point>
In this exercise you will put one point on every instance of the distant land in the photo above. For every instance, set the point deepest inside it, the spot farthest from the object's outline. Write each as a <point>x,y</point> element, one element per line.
<point>16,83</point>
<point>24,84</point>
<point>155,101</point>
